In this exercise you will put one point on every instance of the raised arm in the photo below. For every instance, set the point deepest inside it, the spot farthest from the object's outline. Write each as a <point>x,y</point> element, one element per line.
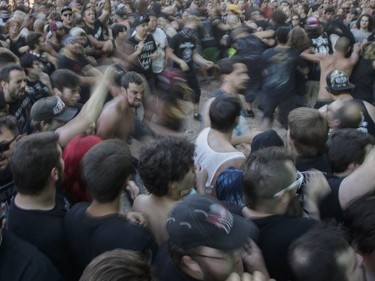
<point>360,182</point>
<point>310,56</point>
<point>90,111</point>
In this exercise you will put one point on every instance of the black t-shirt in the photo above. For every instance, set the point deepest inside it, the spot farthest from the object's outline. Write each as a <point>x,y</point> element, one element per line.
<point>277,232</point>
<point>144,65</point>
<point>363,77</point>
<point>279,65</point>
<point>251,49</point>
<point>330,206</point>
<point>183,44</point>
<point>21,261</point>
<point>89,236</point>
<point>37,90</point>
<point>15,45</point>
<point>45,230</point>
<point>97,31</point>
<point>63,62</point>
<point>319,162</point>
<point>21,110</point>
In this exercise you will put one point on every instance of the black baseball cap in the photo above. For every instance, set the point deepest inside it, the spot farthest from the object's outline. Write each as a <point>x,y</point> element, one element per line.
<point>140,20</point>
<point>52,108</point>
<point>66,8</point>
<point>338,81</point>
<point>203,221</point>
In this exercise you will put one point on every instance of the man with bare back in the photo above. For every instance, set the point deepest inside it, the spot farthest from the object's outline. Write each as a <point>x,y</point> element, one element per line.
<point>117,118</point>
<point>337,60</point>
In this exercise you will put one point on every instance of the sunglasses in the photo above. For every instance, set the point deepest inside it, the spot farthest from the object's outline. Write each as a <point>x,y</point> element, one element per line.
<point>67,15</point>
<point>293,186</point>
<point>4,146</point>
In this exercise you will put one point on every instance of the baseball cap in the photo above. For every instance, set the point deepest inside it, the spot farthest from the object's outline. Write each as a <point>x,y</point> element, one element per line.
<point>312,23</point>
<point>52,108</point>
<point>203,221</point>
<point>55,25</point>
<point>338,81</point>
<point>140,20</point>
<point>235,9</point>
<point>77,31</point>
<point>69,40</point>
<point>66,8</point>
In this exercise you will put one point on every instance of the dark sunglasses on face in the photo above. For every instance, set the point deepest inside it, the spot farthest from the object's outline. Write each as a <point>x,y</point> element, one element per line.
<point>4,146</point>
<point>68,14</point>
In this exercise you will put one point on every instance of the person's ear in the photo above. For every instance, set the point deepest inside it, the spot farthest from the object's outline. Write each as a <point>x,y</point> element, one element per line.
<point>192,267</point>
<point>352,166</point>
<point>57,92</point>
<point>55,174</point>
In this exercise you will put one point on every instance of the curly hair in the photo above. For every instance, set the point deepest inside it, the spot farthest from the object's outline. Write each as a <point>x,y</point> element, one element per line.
<point>164,161</point>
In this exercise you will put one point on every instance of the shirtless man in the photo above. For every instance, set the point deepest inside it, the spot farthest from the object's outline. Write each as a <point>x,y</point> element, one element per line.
<point>168,179</point>
<point>117,118</point>
<point>330,62</point>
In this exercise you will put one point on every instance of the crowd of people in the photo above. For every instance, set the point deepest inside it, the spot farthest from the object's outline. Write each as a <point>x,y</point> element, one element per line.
<point>79,80</point>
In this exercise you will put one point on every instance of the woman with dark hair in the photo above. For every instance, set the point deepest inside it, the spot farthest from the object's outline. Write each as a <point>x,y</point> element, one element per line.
<point>364,27</point>
<point>295,21</point>
<point>299,40</point>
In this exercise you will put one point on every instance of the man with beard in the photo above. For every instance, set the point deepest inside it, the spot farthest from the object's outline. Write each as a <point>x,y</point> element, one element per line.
<point>13,83</point>
<point>9,134</point>
<point>117,117</point>
<point>53,44</point>
<point>37,211</point>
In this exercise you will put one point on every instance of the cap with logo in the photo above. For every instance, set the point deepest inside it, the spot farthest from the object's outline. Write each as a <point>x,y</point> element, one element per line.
<point>203,221</point>
<point>69,40</point>
<point>77,31</point>
<point>338,81</point>
<point>52,108</point>
<point>140,20</point>
<point>55,25</point>
<point>312,23</point>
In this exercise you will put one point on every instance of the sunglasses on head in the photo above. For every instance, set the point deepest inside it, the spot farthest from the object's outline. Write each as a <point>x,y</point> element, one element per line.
<point>293,186</point>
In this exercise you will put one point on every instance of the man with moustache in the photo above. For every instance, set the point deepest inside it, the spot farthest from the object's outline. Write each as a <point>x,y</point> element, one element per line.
<point>37,211</point>
<point>117,117</point>
<point>13,83</point>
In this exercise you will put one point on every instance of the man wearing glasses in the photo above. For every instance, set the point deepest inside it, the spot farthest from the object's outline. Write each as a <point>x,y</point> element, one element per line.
<point>270,182</point>
<point>67,19</point>
<point>207,242</point>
